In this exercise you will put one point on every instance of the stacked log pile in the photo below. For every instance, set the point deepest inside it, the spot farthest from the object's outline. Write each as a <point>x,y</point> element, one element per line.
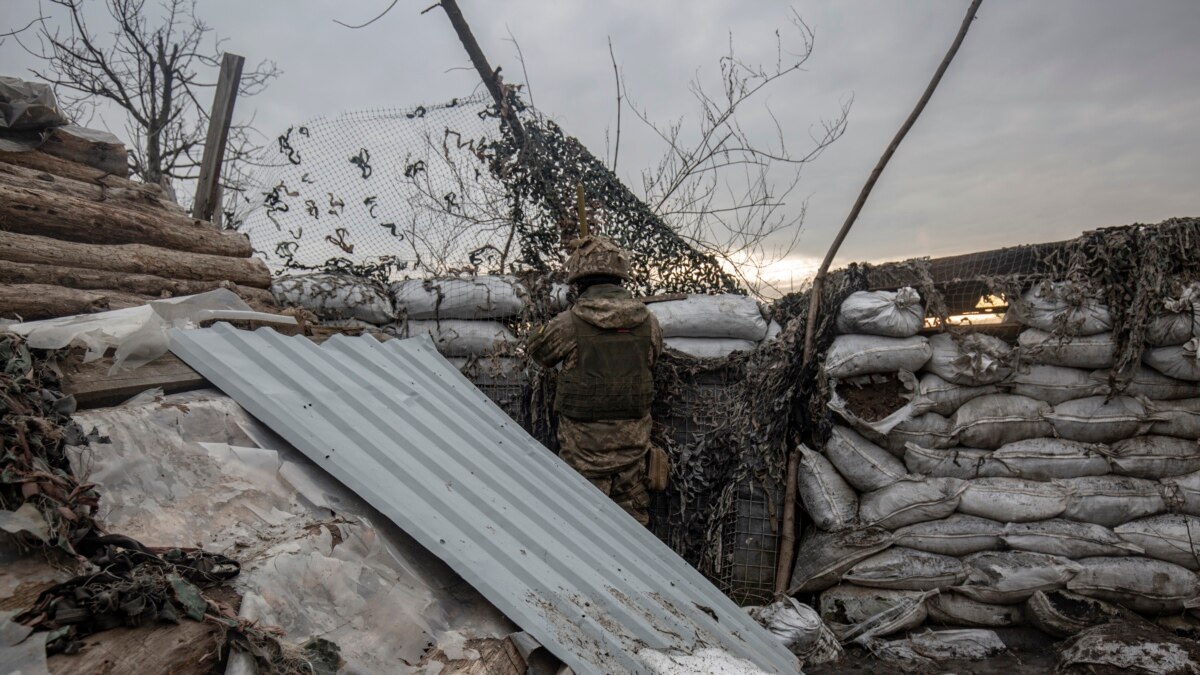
<point>77,236</point>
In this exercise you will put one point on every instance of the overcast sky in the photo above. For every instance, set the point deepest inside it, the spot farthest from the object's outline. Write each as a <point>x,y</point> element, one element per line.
<point>1056,117</point>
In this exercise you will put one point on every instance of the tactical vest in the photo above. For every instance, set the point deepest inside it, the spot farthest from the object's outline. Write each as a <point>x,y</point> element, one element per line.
<point>611,379</point>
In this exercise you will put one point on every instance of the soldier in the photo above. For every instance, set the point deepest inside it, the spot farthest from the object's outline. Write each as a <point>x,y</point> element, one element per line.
<point>608,344</point>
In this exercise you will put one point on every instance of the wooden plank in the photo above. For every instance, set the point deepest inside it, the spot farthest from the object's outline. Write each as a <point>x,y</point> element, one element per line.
<point>144,284</point>
<point>93,386</point>
<point>92,147</point>
<point>114,192</point>
<point>219,121</point>
<point>134,258</point>
<point>32,209</point>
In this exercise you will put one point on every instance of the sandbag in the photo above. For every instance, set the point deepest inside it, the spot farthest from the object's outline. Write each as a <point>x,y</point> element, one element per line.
<point>1151,384</point>
<point>907,502</point>
<point>1177,418</point>
<point>1178,322</point>
<point>709,348</point>
<point>1099,420</point>
<point>863,464</point>
<point>942,397</point>
<point>956,535</point>
<point>828,554</point>
<point>929,431</point>
<point>827,497</point>
<point>1129,647</point>
<point>846,607</point>
<point>1013,500</point>
<point>1067,538</point>
<point>1181,362</point>
<point>906,569</point>
<point>888,313</point>
<point>1056,384</point>
<point>1183,493</point>
<point>1064,307</point>
<point>1090,352</point>
<point>335,296</point>
<point>1144,585</point>
<point>876,416</point>
<point>488,297</point>
<point>1062,613</point>
<point>1010,577</point>
<point>952,609</point>
<point>1045,459</point>
<point>457,337</point>
<point>1111,500</point>
<point>973,359</point>
<point>991,421</point>
<point>1155,457</point>
<point>711,316</point>
<point>1172,537</point>
<point>964,644</point>
<point>800,629</point>
<point>964,463</point>
<point>853,355</point>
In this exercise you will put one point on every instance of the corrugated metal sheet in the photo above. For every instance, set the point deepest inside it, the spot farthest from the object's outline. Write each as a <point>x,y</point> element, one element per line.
<point>405,430</point>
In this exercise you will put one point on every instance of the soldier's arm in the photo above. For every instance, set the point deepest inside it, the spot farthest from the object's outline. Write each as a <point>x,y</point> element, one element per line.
<point>553,342</point>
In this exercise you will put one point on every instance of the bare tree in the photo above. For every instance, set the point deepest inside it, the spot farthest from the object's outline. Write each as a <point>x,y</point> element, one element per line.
<point>728,191</point>
<point>151,65</point>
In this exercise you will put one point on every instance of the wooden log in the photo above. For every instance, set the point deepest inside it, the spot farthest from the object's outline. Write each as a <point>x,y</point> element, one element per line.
<point>36,159</point>
<point>91,147</point>
<point>43,301</point>
<point>134,258</point>
<point>35,210</point>
<point>93,386</point>
<point>143,284</point>
<point>121,193</point>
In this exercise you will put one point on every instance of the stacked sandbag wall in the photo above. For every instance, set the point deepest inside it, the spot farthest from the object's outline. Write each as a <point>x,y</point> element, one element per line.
<point>975,481</point>
<point>713,326</point>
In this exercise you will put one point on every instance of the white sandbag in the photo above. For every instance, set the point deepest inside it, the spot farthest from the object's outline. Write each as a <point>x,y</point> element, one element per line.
<point>964,644</point>
<point>489,297</point>
<point>1172,537</point>
<point>1180,419</point>
<point>1065,307</point>
<point>973,359</point>
<point>1111,500</point>
<point>844,607</point>
<point>906,569</point>
<point>799,627</point>
<point>458,337</point>
<point>773,330</point>
<point>957,535</point>
<point>709,348</point>
<point>1013,500</point>
<point>1056,384</point>
<point>964,463</point>
<point>1099,420</point>
<point>1155,457</point>
<point>1010,577</point>
<point>1183,493</point>
<point>1061,613</point>
<point>829,554</point>
<point>711,316</point>
<point>877,426</point>
<point>1178,322</point>
<point>1181,362</point>
<point>1090,352</point>
<point>863,464</point>
<point>1142,584</point>
<point>952,609</point>
<point>335,296</point>
<point>991,421</point>
<point>928,431</point>
<point>1132,647</point>
<point>1046,459</point>
<point>1151,384</point>
<point>888,313</point>
<point>827,497</point>
<point>944,397</point>
<point>910,501</point>
<point>853,355</point>
<point>1067,538</point>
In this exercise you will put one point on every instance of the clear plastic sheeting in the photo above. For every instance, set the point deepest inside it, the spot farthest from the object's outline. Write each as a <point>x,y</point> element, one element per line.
<point>195,469</point>
<point>28,106</point>
<point>138,334</point>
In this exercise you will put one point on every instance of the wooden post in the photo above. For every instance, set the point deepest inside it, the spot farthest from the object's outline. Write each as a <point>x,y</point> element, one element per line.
<point>491,78</point>
<point>218,133</point>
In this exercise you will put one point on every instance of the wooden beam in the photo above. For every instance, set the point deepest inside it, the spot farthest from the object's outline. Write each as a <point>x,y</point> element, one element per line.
<point>219,121</point>
<point>93,386</point>
<point>134,258</point>
<point>44,301</point>
<point>99,279</point>
<point>121,194</point>
<point>40,161</point>
<point>92,147</point>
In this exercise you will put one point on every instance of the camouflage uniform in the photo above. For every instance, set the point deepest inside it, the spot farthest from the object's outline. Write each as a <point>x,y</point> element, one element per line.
<point>609,453</point>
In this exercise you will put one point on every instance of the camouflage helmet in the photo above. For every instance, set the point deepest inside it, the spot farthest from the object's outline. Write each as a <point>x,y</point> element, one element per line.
<point>596,256</point>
